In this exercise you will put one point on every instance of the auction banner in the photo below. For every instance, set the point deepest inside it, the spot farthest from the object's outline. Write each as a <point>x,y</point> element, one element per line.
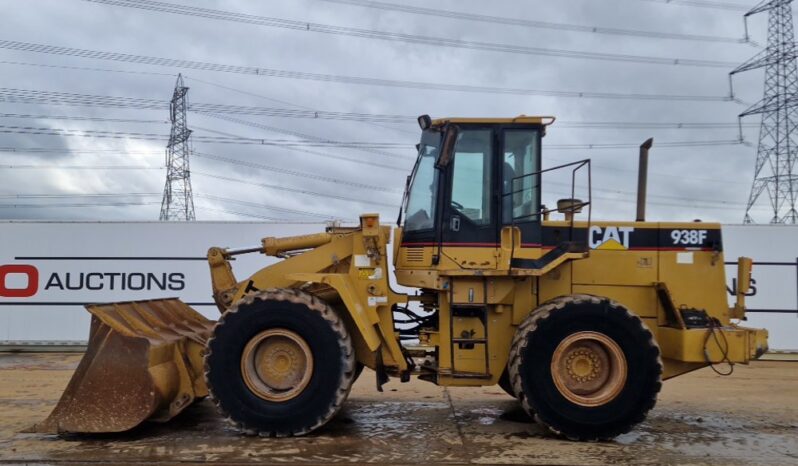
<point>49,270</point>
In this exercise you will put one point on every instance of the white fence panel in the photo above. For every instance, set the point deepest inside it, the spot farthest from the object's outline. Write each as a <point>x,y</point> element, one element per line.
<point>48,269</point>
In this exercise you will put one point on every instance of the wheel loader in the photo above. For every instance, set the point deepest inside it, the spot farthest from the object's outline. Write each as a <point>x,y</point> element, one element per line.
<point>579,320</point>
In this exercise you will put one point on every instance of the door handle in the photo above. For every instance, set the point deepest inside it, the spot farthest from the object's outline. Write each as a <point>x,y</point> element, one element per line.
<point>454,223</point>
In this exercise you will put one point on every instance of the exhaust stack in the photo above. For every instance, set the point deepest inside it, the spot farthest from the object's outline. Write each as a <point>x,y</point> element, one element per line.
<point>642,179</point>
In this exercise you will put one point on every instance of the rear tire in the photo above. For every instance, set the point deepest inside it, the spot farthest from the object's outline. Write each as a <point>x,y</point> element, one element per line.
<point>586,367</point>
<point>279,363</point>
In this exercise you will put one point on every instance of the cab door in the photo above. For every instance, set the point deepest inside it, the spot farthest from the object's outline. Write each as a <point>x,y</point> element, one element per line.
<point>469,234</point>
<point>520,187</point>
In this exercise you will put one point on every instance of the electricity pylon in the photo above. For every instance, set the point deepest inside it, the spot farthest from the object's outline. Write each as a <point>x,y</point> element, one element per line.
<point>178,199</point>
<point>774,171</point>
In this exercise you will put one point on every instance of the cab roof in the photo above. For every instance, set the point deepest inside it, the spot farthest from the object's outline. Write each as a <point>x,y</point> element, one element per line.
<point>520,119</point>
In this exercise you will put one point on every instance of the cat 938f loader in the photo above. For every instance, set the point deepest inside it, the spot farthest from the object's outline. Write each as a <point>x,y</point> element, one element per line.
<point>580,320</point>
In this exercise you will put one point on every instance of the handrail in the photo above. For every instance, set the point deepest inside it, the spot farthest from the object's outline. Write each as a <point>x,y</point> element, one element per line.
<point>577,165</point>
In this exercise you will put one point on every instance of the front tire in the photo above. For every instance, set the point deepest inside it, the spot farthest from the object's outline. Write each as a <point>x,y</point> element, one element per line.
<point>505,383</point>
<point>279,363</point>
<point>586,367</point>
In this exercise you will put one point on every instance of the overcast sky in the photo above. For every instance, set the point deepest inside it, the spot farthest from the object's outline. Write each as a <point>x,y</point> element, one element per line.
<point>706,182</point>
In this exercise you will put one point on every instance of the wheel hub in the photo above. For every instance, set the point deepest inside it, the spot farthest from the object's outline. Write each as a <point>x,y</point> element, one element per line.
<point>276,364</point>
<point>589,368</point>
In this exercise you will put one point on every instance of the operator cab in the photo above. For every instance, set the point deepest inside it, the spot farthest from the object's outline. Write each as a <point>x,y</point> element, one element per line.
<point>472,178</point>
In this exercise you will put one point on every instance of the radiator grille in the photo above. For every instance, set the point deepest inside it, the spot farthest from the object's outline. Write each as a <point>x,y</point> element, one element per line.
<point>414,254</point>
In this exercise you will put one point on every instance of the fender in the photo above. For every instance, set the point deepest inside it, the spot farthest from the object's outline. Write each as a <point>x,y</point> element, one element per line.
<point>364,317</point>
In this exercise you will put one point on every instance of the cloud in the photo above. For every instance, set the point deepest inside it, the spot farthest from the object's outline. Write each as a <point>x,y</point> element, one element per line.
<point>711,183</point>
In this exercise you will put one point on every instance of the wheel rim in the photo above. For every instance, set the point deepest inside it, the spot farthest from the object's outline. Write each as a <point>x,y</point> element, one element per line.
<point>589,368</point>
<point>277,364</point>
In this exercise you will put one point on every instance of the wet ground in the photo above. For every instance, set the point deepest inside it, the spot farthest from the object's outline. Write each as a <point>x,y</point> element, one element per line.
<point>701,418</point>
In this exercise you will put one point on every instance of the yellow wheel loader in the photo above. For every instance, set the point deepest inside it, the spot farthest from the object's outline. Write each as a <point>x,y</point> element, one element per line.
<point>580,320</point>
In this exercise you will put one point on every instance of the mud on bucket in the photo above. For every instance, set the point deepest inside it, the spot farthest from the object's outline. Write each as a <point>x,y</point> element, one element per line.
<point>143,362</point>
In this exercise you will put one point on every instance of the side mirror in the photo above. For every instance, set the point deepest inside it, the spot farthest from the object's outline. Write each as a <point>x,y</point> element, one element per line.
<point>424,122</point>
<point>447,150</point>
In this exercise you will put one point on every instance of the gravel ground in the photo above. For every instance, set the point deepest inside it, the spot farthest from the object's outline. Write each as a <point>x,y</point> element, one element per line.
<point>701,418</point>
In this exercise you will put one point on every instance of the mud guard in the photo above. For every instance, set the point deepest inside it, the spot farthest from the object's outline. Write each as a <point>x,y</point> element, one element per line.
<point>364,317</point>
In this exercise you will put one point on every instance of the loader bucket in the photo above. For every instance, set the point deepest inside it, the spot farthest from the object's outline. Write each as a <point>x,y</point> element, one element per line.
<point>143,362</point>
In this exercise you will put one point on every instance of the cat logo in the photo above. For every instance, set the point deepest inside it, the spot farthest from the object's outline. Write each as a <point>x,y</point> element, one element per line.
<point>610,238</point>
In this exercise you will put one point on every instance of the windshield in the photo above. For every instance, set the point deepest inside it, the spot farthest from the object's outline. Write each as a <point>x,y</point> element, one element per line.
<point>421,199</point>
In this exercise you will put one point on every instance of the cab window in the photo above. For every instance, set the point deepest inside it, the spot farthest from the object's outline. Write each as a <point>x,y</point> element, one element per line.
<point>420,211</point>
<point>471,175</point>
<point>519,187</point>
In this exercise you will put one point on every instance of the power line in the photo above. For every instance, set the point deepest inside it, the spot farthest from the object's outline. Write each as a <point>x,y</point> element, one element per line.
<point>721,205</point>
<point>214,110</point>
<point>651,125</point>
<point>346,159</point>
<point>247,93</point>
<point>128,204</point>
<point>149,103</point>
<point>704,4</point>
<point>59,196</point>
<point>615,125</point>
<point>28,96</point>
<point>122,151</point>
<point>343,79</point>
<point>64,98</point>
<point>599,166</point>
<point>79,167</point>
<point>274,129</point>
<point>163,7</point>
<point>83,68</point>
<point>80,118</point>
<point>82,204</point>
<point>664,204</point>
<point>294,172</point>
<point>251,215</point>
<point>265,206</point>
<point>354,144</point>
<point>632,194</point>
<point>31,96</point>
<point>295,113</point>
<point>324,154</point>
<point>47,150</point>
<point>661,145</point>
<point>75,195</point>
<point>296,190</point>
<point>45,131</point>
<point>288,143</point>
<point>536,24</point>
<point>269,72</point>
<point>115,195</point>
<point>242,214</point>
<point>280,209</point>
<point>271,99</point>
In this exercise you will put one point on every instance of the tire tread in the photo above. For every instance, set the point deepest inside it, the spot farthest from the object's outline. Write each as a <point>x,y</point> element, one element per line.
<point>531,323</point>
<point>344,341</point>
